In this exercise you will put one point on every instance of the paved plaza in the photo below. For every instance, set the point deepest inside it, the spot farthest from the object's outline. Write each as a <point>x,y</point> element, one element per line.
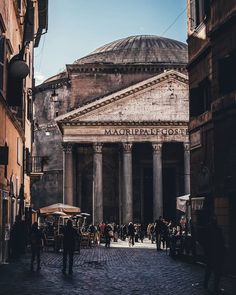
<point>118,270</point>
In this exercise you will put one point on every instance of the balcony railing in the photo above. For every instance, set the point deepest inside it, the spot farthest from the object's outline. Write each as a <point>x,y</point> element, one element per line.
<point>34,165</point>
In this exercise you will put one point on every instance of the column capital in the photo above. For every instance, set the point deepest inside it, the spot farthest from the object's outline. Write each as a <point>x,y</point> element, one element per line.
<point>67,147</point>
<point>186,146</point>
<point>127,147</point>
<point>157,147</point>
<point>97,147</point>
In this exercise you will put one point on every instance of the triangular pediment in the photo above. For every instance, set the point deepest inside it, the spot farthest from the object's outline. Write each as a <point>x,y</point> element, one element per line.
<point>163,97</point>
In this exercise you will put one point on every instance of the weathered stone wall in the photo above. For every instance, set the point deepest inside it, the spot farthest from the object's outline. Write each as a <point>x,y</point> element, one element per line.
<point>165,101</point>
<point>86,87</point>
<point>45,106</point>
<point>47,144</point>
<point>223,45</point>
<point>217,141</point>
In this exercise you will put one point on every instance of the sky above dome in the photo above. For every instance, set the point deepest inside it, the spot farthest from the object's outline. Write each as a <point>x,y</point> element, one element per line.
<point>78,27</point>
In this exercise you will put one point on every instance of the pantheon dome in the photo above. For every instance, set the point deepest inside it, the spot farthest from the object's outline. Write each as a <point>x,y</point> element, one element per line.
<point>142,49</point>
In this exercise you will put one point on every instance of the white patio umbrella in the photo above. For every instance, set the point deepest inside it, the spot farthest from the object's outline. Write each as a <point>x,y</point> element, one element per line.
<point>85,214</point>
<point>59,207</point>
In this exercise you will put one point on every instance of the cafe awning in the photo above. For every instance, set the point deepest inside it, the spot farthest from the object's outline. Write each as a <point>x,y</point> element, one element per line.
<point>59,207</point>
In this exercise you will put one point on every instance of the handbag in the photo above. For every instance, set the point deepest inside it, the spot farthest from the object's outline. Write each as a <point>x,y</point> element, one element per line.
<point>110,233</point>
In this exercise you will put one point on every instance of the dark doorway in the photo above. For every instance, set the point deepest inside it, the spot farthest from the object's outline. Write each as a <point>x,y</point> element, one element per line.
<point>142,183</point>
<point>87,190</point>
<point>111,182</point>
<point>147,195</point>
<point>169,193</point>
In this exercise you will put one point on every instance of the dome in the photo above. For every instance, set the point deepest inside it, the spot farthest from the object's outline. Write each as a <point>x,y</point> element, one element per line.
<point>56,77</point>
<point>141,49</point>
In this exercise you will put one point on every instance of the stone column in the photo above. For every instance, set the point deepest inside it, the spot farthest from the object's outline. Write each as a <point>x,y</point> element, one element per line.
<point>79,189</point>
<point>141,196</point>
<point>186,168</point>
<point>97,184</point>
<point>157,181</point>
<point>120,187</point>
<point>127,204</point>
<point>80,155</point>
<point>68,174</point>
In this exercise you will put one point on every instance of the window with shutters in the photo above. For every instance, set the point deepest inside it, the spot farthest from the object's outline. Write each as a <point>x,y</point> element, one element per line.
<point>2,60</point>
<point>227,73</point>
<point>199,12</point>
<point>29,108</point>
<point>200,98</point>
<point>19,5</point>
<point>192,14</point>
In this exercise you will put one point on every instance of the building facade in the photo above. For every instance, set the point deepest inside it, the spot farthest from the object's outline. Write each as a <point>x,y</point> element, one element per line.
<point>121,151</point>
<point>212,60</point>
<point>21,26</point>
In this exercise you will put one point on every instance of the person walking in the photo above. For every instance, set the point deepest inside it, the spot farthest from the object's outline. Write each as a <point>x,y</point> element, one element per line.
<point>214,251</point>
<point>18,238</point>
<point>36,242</point>
<point>158,229</point>
<point>131,233</point>
<point>70,236</point>
<point>108,233</point>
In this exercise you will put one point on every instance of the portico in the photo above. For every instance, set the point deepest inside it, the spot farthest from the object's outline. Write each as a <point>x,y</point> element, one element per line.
<point>144,114</point>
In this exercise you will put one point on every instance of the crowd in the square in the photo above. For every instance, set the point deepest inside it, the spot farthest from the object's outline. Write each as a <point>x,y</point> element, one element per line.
<point>175,238</point>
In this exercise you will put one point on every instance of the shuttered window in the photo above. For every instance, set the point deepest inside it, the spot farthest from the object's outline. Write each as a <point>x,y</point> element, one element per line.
<point>227,73</point>
<point>199,11</point>
<point>2,61</point>
<point>192,14</point>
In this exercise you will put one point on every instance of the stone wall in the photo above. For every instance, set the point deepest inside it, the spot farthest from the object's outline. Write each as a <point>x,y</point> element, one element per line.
<point>86,87</point>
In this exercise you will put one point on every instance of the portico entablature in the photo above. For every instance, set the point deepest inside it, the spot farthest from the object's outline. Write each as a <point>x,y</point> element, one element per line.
<point>142,132</point>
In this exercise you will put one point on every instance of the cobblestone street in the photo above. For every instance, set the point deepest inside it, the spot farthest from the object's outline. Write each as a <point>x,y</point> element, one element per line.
<point>118,270</point>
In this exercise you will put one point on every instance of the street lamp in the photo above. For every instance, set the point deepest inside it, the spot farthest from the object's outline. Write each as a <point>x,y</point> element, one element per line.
<point>54,96</point>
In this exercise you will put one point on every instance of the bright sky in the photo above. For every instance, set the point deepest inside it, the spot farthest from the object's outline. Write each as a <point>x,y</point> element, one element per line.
<point>77,27</point>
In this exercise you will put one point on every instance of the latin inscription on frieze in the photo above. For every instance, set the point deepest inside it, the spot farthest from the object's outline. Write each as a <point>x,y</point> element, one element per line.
<point>146,131</point>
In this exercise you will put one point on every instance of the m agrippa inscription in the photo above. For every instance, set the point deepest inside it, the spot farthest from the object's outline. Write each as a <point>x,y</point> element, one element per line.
<point>115,133</point>
<point>146,131</point>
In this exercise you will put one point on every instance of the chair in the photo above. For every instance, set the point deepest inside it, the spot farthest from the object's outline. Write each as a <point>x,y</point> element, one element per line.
<point>49,242</point>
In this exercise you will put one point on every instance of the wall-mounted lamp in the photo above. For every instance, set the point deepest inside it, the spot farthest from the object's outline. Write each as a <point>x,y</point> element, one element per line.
<point>54,96</point>
<point>172,95</point>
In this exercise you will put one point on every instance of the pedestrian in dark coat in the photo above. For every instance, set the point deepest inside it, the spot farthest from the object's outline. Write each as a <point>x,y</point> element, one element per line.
<point>131,233</point>
<point>159,230</point>
<point>215,250</point>
<point>70,236</point>
<point>108,234</point>
<point>18,238</point>
<point>36,242</point>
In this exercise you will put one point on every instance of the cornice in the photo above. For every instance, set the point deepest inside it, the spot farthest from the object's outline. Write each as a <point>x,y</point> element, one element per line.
<point>126,123</point>
<point>201,120</point>
<point>55,84</point>
<point>121,68</point>
<point>199,55</point>
<point>100,102</point>
<point>219,27</point>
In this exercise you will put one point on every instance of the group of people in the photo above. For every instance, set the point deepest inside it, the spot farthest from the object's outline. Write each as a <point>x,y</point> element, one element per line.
<point>178,237</point>
<point>70,235</point>
<point>165,234</point>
